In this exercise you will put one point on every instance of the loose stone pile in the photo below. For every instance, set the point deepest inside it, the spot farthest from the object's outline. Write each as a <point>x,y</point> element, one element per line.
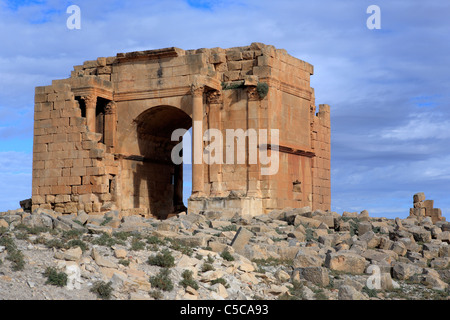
<point>286,254</point>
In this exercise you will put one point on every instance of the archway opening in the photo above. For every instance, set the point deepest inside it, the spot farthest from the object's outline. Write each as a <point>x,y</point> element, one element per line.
<point>158,179</point>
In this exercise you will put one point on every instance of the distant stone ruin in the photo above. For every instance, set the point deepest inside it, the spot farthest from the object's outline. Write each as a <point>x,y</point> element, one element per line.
<point>425,208</point>
<point>103,137</point>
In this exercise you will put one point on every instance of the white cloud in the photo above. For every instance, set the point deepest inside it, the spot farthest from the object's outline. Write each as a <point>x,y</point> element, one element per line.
<point>420,126</point>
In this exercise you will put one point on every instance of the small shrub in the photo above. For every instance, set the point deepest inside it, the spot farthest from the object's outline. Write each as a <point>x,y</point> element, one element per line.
<point>154,240</point>
<point>207,267</point>
<point>210,259</point>
<point>235,85</point>
<point>309,235</point>
<point>320,295</point>
<point>122,236</point>
<point>16,257</point>
<point>124,262</point>
<point>137,244</point>
<point>72,234</point>
<point>107,241</point>
<point>38,230</point>
<point>221,281</point>
<point>102,290</point>
<point>156,294</point>
<point>262,88</point>
<point>22,235</point>
<point>177,245</point>
<point>14,254</point>
<point>231,227</point>
<point>40,240</point>
<point>77,243</point>
<point>162,281</point>
<point>55,278</point>
<point>372,293</point>
<point>163,259</point>
<point>227,256</point>
<point>54,243</point>
<point>188,280</point>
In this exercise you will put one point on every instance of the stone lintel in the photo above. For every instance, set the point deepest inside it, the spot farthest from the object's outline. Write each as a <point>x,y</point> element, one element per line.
<point>207,82</point>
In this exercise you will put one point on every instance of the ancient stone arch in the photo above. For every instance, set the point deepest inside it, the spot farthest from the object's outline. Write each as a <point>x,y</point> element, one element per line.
<point>102,138</point>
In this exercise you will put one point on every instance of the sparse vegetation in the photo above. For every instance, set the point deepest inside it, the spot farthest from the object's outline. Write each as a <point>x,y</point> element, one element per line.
<point>320,295</point>
<point>188,280</point>
<point>231,227</point>
<point>222,281</point>
<point>163,259</point>
<point>124,262</point>
<point>207,267</point>
<point>72,234</point>
<point>14,254</point>
<point>233,85</point>
<point>309,235</point>
<point>32,230</point>
<point>156,294</point>
<point>122,236</point>
<point>55,278</point>
<point>162,280</point>
<point>179,246</point>
<point>107,240</point>
<point>227,256</point>
<point>155,240</point>
<point>263,89</point>
<point>137,244</point>
<point>77,243</point>
<point>106,220</point>
<point>372,293</point>
<point>102,290</point>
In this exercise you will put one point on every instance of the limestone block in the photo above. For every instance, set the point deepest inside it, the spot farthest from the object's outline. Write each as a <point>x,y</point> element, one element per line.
<point>241,238</point>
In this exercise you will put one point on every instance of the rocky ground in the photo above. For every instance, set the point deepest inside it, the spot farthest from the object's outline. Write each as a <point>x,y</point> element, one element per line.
<point>287,254</point>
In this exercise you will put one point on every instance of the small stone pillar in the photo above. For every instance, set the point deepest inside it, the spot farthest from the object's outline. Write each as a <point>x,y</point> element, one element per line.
<point>197,140</point>
<point>91,104</point>
<point>110,125</point>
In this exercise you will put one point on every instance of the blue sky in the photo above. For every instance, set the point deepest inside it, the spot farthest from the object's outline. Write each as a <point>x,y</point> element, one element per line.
<point>387,88</point>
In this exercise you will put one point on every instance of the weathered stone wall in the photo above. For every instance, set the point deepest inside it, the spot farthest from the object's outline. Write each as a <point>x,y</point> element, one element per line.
<point>71,170</point>
<point>102,137</point>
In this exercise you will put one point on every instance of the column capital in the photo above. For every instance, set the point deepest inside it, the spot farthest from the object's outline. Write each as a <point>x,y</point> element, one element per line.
<point>214,96</point>
<point>110,107</point>
<point>197,90</point>
<point>90,100</point>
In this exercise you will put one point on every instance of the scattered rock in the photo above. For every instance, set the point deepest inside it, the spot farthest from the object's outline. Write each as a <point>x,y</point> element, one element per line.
<point>294,253</point>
